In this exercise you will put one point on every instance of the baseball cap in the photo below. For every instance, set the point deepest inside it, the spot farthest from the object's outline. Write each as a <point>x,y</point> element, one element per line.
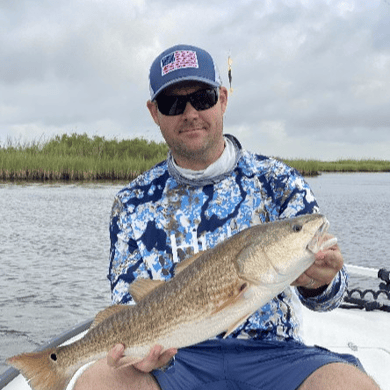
<point>182,63</point>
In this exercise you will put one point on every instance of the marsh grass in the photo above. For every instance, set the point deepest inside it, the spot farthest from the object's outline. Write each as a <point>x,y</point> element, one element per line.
<point>80,157</point>
<point>315,167</point>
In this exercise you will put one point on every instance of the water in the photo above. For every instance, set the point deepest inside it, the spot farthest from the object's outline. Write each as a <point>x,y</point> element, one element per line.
<point>358,208</point>
<point>54,246</point>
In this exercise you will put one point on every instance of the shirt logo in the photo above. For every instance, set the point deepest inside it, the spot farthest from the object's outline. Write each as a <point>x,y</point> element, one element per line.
<point>177,60</point>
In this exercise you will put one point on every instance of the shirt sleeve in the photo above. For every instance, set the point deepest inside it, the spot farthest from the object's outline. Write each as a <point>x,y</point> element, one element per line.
<point>126,263</point>
<point>331,298</point>
<point>294,196</point>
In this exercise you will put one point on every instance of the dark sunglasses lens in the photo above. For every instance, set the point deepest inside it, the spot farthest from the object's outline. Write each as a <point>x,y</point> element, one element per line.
<point>171,105</point>
<point>175,105</point>
<point>204,99</point>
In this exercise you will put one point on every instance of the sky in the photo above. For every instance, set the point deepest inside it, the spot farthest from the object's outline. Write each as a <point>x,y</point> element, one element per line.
<point>311,78</point>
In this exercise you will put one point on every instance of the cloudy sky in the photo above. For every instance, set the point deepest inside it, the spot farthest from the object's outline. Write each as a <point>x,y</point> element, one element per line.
<point>311,78</point>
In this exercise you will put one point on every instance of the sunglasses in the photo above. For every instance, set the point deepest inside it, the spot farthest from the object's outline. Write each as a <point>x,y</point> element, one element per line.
<point>176,104</point>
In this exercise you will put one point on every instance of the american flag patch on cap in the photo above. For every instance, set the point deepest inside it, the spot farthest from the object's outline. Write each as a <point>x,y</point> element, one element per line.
<point>177,60</point>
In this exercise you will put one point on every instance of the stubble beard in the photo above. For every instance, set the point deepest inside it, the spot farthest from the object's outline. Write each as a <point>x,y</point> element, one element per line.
<point>206,153</point>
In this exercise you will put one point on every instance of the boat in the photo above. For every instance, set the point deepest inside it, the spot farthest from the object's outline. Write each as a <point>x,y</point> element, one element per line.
<point>360,326</point>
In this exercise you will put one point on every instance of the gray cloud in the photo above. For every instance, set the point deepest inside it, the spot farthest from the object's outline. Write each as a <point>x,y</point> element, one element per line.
<point>307,76</point>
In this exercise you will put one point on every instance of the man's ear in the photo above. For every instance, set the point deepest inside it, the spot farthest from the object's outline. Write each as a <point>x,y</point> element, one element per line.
<point>152,107</point>
<point>223,98</point>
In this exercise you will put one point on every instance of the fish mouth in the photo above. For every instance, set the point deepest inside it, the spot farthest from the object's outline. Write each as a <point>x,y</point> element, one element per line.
<point>315,245</point>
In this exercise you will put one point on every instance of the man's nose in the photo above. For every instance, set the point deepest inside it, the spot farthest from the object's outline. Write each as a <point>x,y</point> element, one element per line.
<point>190,112</point>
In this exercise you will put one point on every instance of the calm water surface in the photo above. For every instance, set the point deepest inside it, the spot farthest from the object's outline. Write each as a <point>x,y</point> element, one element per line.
<point>358,208</point>
<point>54,247</point>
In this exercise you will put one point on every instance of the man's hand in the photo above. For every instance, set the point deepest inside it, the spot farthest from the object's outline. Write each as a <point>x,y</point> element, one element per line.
<point>326,266</point>
<point>121,372</point>
<point>155,359</point>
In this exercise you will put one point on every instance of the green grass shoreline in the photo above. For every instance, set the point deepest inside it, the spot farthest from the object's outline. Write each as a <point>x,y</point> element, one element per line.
<point>78,157</point>
<point>316,167</point>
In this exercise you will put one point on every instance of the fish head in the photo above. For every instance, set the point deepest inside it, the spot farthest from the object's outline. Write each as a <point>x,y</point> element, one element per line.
<point>281,251</point>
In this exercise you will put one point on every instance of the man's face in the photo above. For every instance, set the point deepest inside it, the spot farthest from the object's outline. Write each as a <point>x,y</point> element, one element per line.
<point>195,138</point>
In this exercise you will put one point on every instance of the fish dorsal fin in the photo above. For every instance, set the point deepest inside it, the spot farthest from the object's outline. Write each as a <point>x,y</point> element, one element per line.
<point>108,312</point>
<point>140,288</point>
<point>185,263</point>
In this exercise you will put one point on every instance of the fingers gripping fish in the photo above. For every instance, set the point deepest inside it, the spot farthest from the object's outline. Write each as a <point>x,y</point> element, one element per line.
<point>214,292</point>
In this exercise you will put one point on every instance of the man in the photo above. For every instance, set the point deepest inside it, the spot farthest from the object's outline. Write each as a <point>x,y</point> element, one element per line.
<point>208,189</point>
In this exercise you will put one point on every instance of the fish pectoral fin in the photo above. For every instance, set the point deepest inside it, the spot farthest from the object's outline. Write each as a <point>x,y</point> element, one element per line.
<point>140,288</point>
<point>185,263</point>
<point>108,312</point>
<point>234,326</point>
<point>238,293</point>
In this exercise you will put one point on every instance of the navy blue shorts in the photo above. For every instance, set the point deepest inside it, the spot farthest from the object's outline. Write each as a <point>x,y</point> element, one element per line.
<point>246,365</point>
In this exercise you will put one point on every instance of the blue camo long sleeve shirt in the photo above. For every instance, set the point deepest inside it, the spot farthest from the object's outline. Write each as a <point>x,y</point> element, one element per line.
<point>157,221</point>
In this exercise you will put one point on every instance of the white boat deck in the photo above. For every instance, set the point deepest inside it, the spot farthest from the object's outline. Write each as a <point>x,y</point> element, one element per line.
<point>363,334</point>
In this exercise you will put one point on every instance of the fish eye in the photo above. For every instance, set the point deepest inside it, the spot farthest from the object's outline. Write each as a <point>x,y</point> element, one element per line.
<point>297,228</point>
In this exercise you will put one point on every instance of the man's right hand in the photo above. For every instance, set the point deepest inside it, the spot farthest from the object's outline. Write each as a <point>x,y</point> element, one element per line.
<point>107,374</point>
<point>155,359</point>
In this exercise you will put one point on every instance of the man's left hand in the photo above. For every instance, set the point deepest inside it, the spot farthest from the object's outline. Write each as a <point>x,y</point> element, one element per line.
<point>326,266</point>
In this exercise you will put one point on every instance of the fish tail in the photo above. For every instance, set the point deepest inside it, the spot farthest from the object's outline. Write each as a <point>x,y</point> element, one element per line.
<point>41,369</point>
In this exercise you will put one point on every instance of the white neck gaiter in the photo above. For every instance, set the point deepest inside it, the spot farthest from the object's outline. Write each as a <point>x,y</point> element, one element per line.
<point>224,164</point>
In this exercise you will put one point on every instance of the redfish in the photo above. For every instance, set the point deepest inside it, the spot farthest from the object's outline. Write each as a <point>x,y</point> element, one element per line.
<point>212,292</point>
